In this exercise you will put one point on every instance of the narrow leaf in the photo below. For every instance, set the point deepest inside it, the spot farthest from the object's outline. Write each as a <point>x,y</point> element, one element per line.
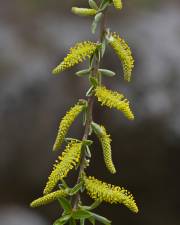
<point>72,222</point>
<point>97,19</point>
<point>93,4</point>
<point>87,142</point>
<point>96,128</point>
<point>91,220</point>
<point>88,152</point>
<point>103,47</point>
<point>101,219</point>
<point>65,204</point>
<point>93,81</point>
<point>76,188</point>
<point>104,4</point>
<point>82,221</point>
<point>107,73</point>
<point>63,220</point>
<point>82,73</point>
<point>91,207</point>
<point>81,214</point>
<point>89,92</point>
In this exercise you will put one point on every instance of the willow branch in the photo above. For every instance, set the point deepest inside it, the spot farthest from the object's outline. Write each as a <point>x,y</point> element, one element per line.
<point>89,113</point>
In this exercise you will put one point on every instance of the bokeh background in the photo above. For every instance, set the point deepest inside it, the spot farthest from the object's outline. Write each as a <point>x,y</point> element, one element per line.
<point>34,37</point>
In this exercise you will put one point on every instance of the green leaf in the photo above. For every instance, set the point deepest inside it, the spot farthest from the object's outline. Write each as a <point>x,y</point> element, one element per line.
<point>104,4</point>
<point>82,73</point>
<point>76,188</point>
<point>107,73</point>
<point>88,152</point>
<point>93,4</point>
<point>91,220</point>
<point>82,221</point>
<point>103,47</point>
<point>91,60</point>
<point>101,219</point>
<point>81,214</point>
<point>65,204</point>
<point>57,222</point>
<point>93,81</point>
<point>72,222</point>
<point>87,142</point>
<point>63,220</point>
<point>97,19</point>
<point>96,128</point>
<point>89,92</point>
<point>84,117</point>
<point>71,139</point>
<point>91,207</point>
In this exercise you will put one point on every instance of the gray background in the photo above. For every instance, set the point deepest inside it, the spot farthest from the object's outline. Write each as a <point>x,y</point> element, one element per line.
<point>34,37</point>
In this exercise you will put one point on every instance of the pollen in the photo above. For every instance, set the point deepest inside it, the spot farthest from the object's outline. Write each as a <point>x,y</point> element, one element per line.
<point>48,198</point>
<point>66,162</point>
<point>77,54</point>
<point>102,191</point>
<point>65,124</point>
<point>124,54</point>
<point>114,99</point>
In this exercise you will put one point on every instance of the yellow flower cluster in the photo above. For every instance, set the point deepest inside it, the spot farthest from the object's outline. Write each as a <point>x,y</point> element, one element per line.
<point>106,146</point>
<point>117,4</point>
<point>69,158</point>
<point>65,124</point>
<point>102,191</point>
<point>84,11</point>
<point>124,53</point>
<point>114,100</point>
<point>77,54</point>
<point>48,198</point>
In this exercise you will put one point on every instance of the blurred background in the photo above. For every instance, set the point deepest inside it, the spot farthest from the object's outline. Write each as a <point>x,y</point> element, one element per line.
<point>34,36</point>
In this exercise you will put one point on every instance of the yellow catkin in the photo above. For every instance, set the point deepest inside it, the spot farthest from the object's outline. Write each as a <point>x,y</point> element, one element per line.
<point>113,99</point>
<point>48,198</point>
<point>107,152</point>
<point>117,4</point>
<point>77,54</point>
<point>124,54</point>
<point>102,191</point>
<point>65,124</point>
<point>84,11</point>
<point>67,161</point>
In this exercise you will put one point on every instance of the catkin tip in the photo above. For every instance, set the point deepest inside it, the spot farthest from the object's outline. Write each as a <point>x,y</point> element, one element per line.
<point>77,54</point>
<point>65,124</point>
<point>118,4</point>
<point>102,191</point>
<point>124,54</point>
<point>47,198</point>
<point>113,99</point>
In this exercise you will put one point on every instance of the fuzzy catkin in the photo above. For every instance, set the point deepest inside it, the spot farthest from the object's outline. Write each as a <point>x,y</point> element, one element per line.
<point>48,198</point>
<point>105,140</point>
<point>65,124</point>
<point>117,4</point>
<point>114,99</point>
<point>124,54</point>
<point>67,161</point>
<point>77,54</point>
<point>83,11</point>
<point>102,191</point>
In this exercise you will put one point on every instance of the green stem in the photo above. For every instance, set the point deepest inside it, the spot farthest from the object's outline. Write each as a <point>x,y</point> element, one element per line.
<point>89,114</point>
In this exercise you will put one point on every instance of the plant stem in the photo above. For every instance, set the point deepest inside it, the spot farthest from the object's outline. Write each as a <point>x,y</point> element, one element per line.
<point>89,113</point>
